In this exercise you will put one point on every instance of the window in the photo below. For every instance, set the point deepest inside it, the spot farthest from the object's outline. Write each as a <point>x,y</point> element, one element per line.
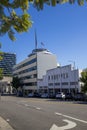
<point>27,63</point>
<point>50,84</point>
<point>57,84</point>
<point>73,83</point>
<point>51,77</point>
<point>65,83</point>
<point>48,77</point>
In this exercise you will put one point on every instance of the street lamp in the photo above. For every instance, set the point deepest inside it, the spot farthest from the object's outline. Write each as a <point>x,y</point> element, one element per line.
<point>74,74</point>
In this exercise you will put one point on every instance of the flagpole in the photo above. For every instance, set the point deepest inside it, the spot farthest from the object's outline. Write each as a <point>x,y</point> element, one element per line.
<point>35,39</point>
<point>42,44</point>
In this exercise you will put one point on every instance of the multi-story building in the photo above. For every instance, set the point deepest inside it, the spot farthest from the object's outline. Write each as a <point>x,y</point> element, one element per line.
<point>60,79</point>
<point>34,67</point>
<point>7,63</point>
<point>5,85</point>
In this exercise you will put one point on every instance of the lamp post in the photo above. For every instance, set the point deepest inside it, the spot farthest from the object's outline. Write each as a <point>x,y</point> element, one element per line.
<point>74,74</point>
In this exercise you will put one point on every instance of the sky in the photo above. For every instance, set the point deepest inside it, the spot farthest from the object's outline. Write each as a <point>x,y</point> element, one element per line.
<point>62,29</point>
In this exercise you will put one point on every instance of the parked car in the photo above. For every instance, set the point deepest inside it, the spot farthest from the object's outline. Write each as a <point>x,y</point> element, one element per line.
<point>79,97</point>
<point>60,95</point>
<point>30,95</point>
<point>69,96</point>
<point>20,94</point>
<point>51,95</point>
<point>44,95</point>
<point>37,95</point>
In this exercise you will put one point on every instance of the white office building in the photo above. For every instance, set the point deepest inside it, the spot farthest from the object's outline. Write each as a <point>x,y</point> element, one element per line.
<point>60,79</point>
<point>34,67</point>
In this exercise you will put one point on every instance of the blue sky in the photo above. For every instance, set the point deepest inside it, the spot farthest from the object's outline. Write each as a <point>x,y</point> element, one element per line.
<point>62,29</point>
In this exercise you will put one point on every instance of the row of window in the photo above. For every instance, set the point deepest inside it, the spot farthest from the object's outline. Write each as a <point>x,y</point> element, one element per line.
<point>58,76</point>
<point>29,77</point>
<point>28,70</point>
<point>30,84</point>
<point>63,83</point>
<point>26,64</point>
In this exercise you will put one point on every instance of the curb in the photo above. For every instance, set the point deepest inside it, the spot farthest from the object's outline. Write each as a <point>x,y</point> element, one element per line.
<point>4,125</point>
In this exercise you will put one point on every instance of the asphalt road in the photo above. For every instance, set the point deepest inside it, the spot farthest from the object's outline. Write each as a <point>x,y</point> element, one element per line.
<point>43,114</point>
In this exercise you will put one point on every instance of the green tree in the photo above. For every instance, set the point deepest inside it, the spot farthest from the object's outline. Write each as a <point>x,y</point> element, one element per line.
<point>39,4</point>
<point>15,82</point>
<point>11,21</point>
<point>1,73</point>
<point>83,79</point>
<point>1,70</point>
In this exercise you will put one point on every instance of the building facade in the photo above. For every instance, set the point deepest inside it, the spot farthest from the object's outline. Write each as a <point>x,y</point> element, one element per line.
<point>33,68</point>
<point>5,85</point>
<point>7,63</point>
<point>61,79</point>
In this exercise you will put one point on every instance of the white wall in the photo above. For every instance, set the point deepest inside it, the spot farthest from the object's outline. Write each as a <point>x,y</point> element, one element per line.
<point>45,61</point>
<point>73,76</point>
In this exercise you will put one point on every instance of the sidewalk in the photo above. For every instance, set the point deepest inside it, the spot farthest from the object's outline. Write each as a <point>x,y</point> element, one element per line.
<point>4,125</point>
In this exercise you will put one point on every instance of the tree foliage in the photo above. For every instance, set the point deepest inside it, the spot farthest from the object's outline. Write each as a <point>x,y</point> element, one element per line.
<point>39,4</point>
<point>83,79</point>
<point>15,82</point>
<point>11,20</point>
<point>1,73</point>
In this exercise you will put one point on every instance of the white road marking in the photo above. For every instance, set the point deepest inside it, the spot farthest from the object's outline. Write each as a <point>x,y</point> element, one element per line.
<point>54,127</point>
<point>38,108</point>
<point>60,114</point>
<point>70,125</point>
<point>26,105</point>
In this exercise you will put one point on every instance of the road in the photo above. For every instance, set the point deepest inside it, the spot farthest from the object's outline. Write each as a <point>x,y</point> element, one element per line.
<point>43,114</point>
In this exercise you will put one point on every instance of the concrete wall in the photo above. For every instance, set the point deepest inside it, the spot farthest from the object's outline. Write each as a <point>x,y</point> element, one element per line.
<point>45,61</point>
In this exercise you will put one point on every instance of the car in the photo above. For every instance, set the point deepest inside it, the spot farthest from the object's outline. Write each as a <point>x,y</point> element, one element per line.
<point>37,95</point>
<point>60,95</point>
<point>20,94</point>
<point>79,97</point>
<point>68,96</point>
<point>30,95</point>
<point>51,95</point>
<point>44,95</point>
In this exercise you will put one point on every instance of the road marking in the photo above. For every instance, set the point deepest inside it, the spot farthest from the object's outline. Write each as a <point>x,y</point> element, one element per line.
<point>60,114</point>
<point>38,108</point>
<point>29,106</point>
<point>70,125</point>
<point>26,105</point>
<point>54,127</point>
